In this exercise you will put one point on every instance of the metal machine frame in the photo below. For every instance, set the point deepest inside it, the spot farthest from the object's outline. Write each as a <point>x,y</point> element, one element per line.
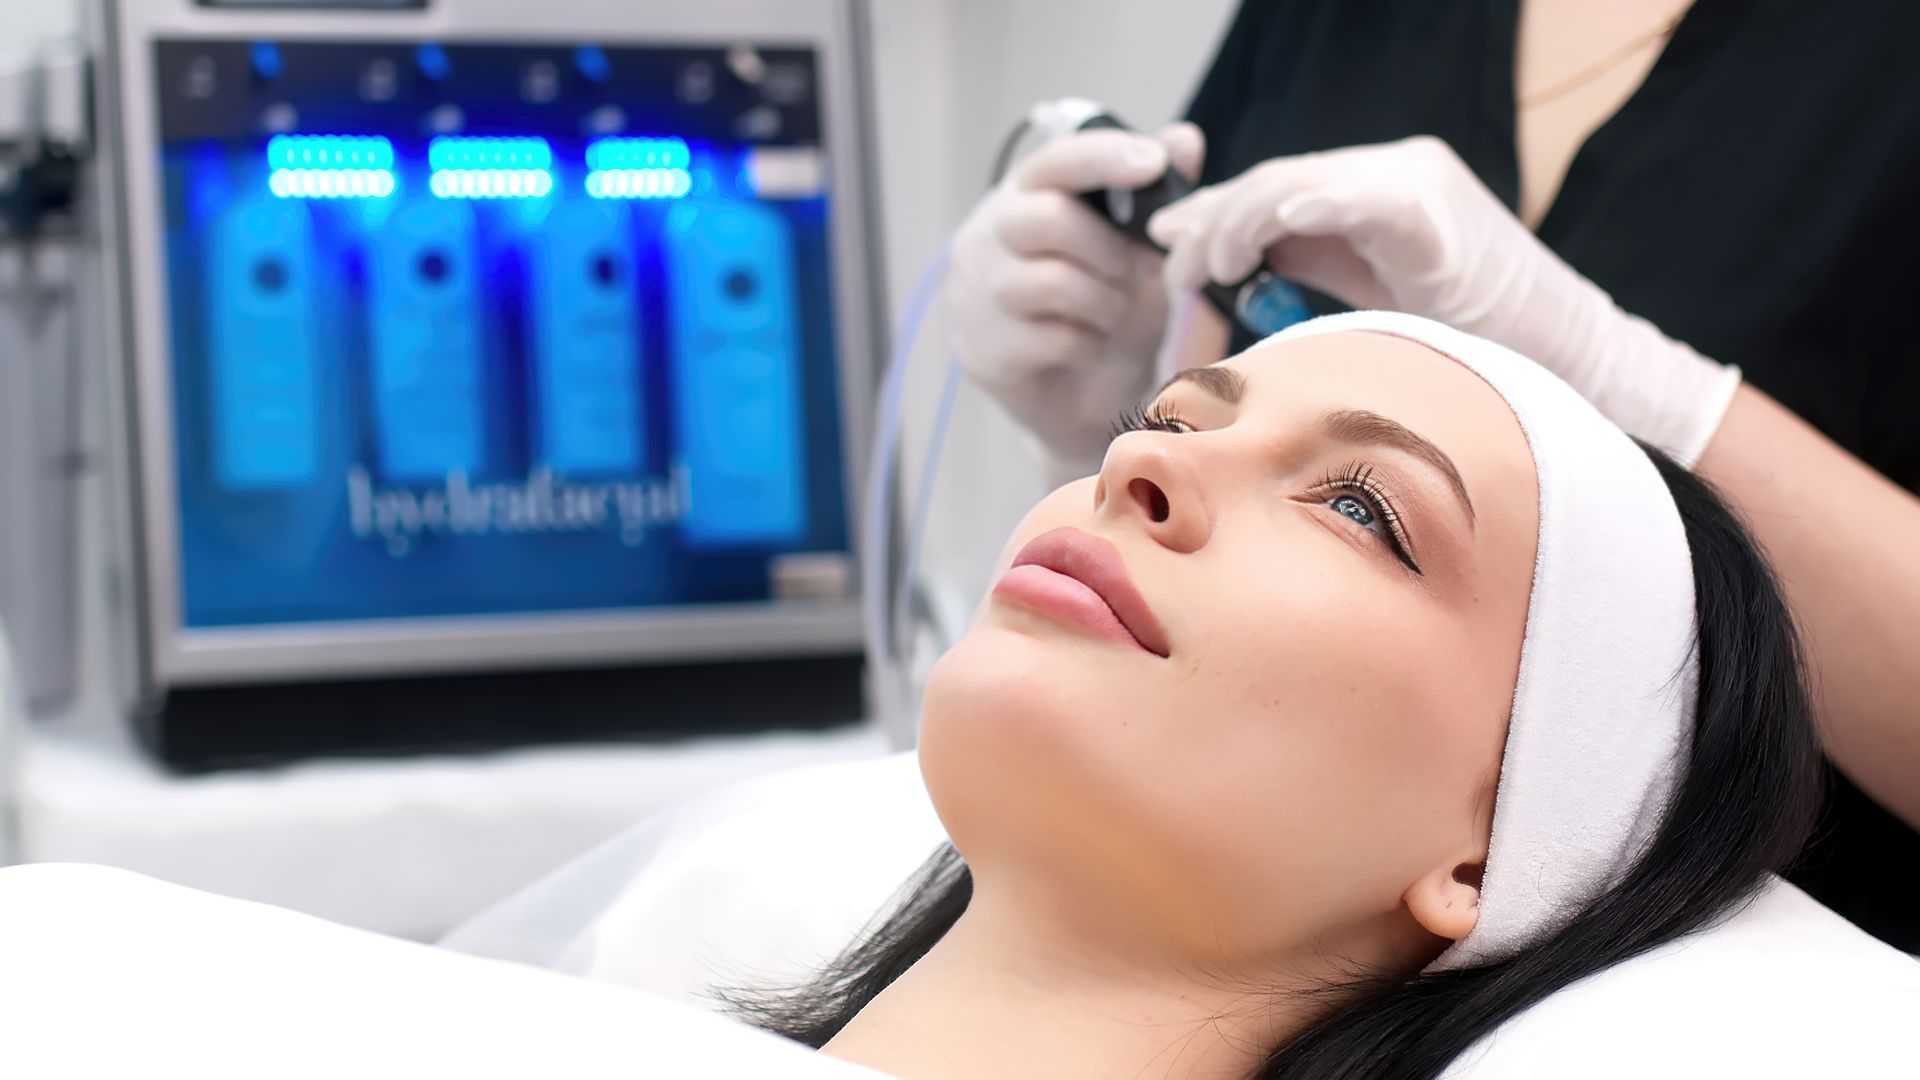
<point>166,654</point>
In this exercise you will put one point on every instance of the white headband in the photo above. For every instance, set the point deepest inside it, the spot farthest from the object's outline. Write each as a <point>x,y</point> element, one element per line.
<point>1603,706</point>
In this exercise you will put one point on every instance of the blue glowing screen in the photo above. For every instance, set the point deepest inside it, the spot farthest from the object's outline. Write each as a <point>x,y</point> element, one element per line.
<point>494,329</point>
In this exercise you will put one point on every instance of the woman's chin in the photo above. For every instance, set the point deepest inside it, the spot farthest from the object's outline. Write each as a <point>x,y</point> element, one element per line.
<point>1008,670</point>
<point>1004,708</point>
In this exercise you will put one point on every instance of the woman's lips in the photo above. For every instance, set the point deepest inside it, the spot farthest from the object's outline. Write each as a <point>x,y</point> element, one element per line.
<point>1078,576</point>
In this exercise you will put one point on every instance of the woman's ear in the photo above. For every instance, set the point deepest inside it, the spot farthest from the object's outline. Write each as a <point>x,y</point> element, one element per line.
<point>1446,902</point>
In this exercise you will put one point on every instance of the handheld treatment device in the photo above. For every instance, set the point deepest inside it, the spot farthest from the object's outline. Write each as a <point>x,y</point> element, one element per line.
<point>1261,303</point>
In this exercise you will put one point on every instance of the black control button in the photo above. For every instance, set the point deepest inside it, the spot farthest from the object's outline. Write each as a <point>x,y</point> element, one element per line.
<point>741,284</point>
<point>270,274</point>
<point>434,265</point>
<point>605,269</point>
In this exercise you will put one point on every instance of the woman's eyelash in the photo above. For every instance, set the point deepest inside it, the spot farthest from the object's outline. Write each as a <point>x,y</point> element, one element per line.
<point>1359,480</point>
<point>1155,417</point>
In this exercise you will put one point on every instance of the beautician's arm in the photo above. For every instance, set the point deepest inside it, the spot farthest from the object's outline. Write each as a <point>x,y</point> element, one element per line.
<point>1846,544</point>
<point>1407,226</point>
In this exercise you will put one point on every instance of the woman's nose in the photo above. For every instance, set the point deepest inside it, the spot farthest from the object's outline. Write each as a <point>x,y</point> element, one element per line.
<point>1144,484</point>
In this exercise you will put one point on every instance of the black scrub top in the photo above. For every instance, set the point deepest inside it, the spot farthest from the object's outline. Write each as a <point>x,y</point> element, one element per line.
<point>1758,198</point>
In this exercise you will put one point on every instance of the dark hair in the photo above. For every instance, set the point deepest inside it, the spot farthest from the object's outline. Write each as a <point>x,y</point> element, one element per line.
<point>1743,808</point>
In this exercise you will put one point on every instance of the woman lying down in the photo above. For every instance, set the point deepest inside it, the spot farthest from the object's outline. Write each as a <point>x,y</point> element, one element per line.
<point>1375,689</point>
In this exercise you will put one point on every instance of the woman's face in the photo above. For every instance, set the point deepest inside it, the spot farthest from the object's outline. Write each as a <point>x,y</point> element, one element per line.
<point>1244,693</point>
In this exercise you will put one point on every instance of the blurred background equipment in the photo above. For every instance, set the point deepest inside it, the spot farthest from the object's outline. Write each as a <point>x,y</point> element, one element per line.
<point>43,139</point>
<point>481,392</point>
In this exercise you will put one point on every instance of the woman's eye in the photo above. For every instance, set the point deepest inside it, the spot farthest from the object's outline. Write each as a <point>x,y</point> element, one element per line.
<point>1354,509</point>
<point>1353,495</point>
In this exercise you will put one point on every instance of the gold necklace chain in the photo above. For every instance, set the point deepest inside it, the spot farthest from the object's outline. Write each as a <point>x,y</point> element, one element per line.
<point>1599,67</point>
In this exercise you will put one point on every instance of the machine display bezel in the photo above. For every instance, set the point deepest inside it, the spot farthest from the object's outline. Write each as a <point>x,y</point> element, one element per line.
<point>172,655</point>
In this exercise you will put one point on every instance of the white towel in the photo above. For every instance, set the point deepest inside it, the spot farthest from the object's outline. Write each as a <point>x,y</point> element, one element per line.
<point>1603,706</point>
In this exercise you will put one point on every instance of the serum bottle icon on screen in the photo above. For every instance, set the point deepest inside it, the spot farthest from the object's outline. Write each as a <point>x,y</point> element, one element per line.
<point>261,349</point>
<point>426,356</point>
<point>735,373</point>
<point>586,364</point>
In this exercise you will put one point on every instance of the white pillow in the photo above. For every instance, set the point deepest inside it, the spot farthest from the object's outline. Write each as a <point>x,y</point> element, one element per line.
<point>104,973</point>
<point>762,881</point>
<point>769,878</point>
<point>1783,989</point>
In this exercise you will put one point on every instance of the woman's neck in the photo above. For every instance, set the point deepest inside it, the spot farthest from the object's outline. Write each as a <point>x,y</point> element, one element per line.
<point>1004,995</point>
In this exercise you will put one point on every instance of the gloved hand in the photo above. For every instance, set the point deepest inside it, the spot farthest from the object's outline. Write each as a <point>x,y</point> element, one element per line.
<point>1407,226</point>
<point>1053,310</point>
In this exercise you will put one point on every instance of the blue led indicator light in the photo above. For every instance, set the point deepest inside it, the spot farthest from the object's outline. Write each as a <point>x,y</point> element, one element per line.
<point>637,153</point>
<point>639,168</point>
<point>329,152</point>
<point>330,166</point>
<point>491,183</point>
<point>331,183</point>
<point>489,152</point>
<point>490,167</point>
<point>432,61</point>
<point>639,183</point>
<point>592,63</point>
<point>265,57</point>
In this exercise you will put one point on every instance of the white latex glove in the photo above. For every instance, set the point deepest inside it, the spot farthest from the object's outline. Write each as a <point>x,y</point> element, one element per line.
<point>1054,311</point>
<point>1407,226</point>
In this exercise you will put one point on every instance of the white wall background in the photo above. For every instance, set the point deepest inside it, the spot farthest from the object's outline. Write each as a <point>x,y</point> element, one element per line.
<point>24,23</point>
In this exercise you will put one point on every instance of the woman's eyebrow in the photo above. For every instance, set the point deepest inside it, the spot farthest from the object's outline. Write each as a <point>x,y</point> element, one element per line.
<point>1223,383</point>
<point>1362,427</point>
